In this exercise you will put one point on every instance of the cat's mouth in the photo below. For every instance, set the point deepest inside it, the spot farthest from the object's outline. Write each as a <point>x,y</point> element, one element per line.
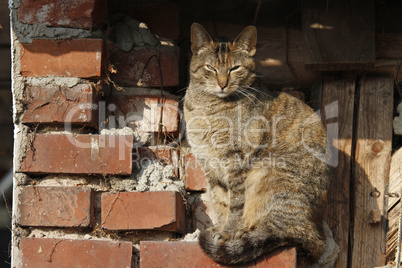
<point>222,94</point>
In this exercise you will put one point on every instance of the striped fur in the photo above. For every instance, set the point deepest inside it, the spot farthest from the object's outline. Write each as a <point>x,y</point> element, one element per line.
<point>260,154</point>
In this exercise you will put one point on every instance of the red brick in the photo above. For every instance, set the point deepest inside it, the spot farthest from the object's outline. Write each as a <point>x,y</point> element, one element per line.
<point>144,112</point>
<point>55,206</point>
<point>143,211</point>
<point>78,154</point>
<point>69,13</point>
<point>129,66</point>
<point>59,252</point>
<point>53,104</point>
<point>190,254</point>
<point>195,179</point>
<point>69,58</point>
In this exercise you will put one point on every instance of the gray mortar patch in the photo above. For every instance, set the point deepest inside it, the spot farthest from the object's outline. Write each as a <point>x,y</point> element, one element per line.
<point>153,176</point>
<point>56,81</point>
<point>26,33</point>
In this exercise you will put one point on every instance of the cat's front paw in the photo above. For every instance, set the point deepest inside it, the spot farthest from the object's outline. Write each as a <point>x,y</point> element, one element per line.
<point>241,233</point>
<point>218,235</point>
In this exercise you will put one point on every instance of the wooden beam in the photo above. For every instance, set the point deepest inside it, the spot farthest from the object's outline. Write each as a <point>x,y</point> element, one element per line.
<point>394,205</point>
<point>371,170</point>
<point>337,106</point>
<point>338,34</point>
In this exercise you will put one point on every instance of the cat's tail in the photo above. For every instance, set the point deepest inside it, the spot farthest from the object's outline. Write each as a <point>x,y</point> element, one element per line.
<point>240,250</point>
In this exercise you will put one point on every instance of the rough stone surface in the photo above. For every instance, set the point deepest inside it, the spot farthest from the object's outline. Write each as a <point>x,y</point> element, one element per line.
<point>53,104</point>
<point>47,252</point>
<point>78,154</point>
<point>194,175</point>
<point>190,254</point>
<point>192,237</point>
<point>63,58</point>
<point>86,14</point>
<point>143,211</point>
<point>398,120</point>
<point>55,206</point>
<point>155,168</point>
<point>152,176</point>
<point>143,113</point>
<point>128,33</point>
<point>130,66</point>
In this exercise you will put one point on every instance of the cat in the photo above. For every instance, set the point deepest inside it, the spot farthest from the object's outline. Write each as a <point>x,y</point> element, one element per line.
<point>261,152</point>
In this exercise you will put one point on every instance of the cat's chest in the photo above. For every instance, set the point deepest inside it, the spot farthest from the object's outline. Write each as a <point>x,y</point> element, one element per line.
<point>237,129</point>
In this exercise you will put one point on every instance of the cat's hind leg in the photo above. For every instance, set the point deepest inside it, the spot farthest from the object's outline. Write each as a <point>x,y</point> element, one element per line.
<point>279,206</point>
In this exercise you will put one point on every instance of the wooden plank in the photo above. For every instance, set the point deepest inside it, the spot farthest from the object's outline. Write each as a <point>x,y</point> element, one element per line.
<point>338,104</point>
<point>338,34</point>
<point>394,205</point>
<point>371,170</point>
<point>389,46</point>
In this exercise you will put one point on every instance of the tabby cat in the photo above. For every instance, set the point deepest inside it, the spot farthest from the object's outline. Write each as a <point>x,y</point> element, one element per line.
<point>261,152</point>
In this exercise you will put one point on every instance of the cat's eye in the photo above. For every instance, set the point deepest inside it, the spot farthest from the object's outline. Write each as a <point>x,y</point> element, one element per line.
<point>235,68</point>
<point>211,68</point>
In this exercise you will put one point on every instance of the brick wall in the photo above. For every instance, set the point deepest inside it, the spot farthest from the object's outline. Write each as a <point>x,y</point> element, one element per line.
<point>99,170</point>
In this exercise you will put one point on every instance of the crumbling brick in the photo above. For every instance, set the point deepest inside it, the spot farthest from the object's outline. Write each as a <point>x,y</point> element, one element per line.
<point>55,105</point>
<point>86,14</point>
<point>144,113</point>
<point>60,252</point>
<point>185,254</point>
<point>68,58</point>
<point>130,65</point>
<point>55,206</point>
<point>78,154</point>
<point>143,211</point>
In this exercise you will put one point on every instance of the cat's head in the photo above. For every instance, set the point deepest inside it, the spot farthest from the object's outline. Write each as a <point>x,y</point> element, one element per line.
<point>222,68</point>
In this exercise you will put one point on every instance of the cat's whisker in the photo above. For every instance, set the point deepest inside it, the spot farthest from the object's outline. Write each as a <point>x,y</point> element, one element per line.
<point>246,95</point>
<point>259,75</point>
<point>182,89</point>
<point>244,91</point>
<point>258,90</point>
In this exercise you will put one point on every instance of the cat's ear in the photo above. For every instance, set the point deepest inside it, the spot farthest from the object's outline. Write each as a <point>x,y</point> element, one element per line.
<point>199,37</point>
<point>247,40</point>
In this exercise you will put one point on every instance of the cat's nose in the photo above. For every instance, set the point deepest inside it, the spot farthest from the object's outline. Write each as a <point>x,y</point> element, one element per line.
<point>222,81</point>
